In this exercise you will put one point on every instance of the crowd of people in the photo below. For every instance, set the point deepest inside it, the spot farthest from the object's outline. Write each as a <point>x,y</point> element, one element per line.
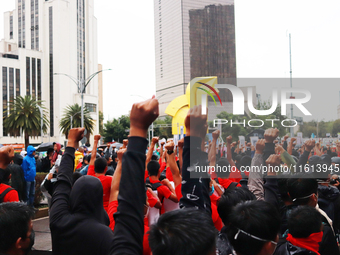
<point>147,200</point>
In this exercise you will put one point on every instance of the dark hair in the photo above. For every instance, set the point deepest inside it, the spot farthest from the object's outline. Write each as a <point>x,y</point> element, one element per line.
<point>4,175</point>
<point>154,157</point>
<point>185,231</point>
<point>300,187</point>
<point>99,165</point>
<point>75,177</point>
<point>304,221</point>
<point>224,164</point>
<point>246,161</point>
<point>14,220</point>
<point>230,198</point>
<point>257,218</point>
<point>114,156</point>
<point>153,168</point>
<point>18,159</point>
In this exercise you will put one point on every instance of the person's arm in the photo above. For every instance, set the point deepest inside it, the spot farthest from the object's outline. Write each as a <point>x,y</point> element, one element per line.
<point>161,152</point>
<point>180,153</point>
<point>269,136</point>
<point>93,155</point>
<point>62,189</point>
<point>158,204</point>
<point>116,177</point>
<point>229,154</point>
<point>150,151</point>
<point>309,145</point>
<point>173,196</point>
<point>129,219</point>
<point>271,189</point>
<point>291,145</point>
<point>195,191</point>
<point>173,165</point>
<point>255,181</point>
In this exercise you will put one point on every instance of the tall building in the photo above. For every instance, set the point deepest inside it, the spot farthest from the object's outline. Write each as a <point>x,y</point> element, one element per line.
<point>338,110</point>
<point>193,38</point>
<point>44,37</point>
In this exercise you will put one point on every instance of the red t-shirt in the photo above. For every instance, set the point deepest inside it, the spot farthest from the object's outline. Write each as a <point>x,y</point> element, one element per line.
<point>178,191</point>
<point>162,192</point>
<point>168,174</point>
<point>112,209</point>
<point>106,182</point>
<point>226,182</point>
<point>151,199</point>
<point>11,196</point>
<point>214,213</point>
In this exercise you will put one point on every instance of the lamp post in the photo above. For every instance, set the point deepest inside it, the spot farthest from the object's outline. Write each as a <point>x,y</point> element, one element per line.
<point>41,123</point>
<point>81,85</point>
<point>72,118</point>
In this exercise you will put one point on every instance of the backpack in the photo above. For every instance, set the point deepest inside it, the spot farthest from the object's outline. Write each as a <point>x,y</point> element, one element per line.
<point>154,186</point>
<point>3,194</point>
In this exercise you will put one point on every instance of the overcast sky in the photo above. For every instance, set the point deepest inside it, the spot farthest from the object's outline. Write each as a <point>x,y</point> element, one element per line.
<point>126,45</point>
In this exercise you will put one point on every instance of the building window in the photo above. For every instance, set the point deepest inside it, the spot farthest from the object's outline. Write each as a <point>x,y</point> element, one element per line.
<point>91,107</point>
<point>11,86</point>
<point>28,77</point>
<point>19,23</point>
<point>39,78</point>
<point>32,24</point>
<point>51,70</point>
<point>4,96</point>
<point>17,82</point>
<point>23,25</point>
<point>34,95</point>
<point>11,27</point>
<point>36,25</point>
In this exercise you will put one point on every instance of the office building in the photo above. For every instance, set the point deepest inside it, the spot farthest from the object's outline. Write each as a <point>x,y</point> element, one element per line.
<point>193,38</point>
<point>41,38</point>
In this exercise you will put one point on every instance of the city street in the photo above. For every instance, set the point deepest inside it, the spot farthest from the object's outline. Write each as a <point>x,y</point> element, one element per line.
<point>42,234</point>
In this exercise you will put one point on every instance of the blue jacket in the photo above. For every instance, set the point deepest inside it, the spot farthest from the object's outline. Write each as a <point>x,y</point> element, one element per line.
<point>29,165</point>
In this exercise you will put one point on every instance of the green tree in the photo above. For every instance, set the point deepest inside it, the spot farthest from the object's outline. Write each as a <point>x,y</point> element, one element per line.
<point>163,131</point>
<point>117,129</point>
<point>24,115</point>
<point>74,111</point>
<point>101,123</point>
<point>336,127</point>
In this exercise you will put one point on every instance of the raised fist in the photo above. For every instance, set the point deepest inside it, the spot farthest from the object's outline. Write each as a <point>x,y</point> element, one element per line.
<point>216,134</point>
<point>181,143</point>
<point>6,156</point>
<point>120,153</point>
<point>270,134</point>
<point>170,146</point>
<point>97,138</point>
<point>273,160</point>
<point>260,144</point>
<point>196,122</point>
<point>142,115</point>
<point>74,136</point>
<point>154,140</point>
<point>229,140</point>
<point>125,143</point>
<point>309,145</point>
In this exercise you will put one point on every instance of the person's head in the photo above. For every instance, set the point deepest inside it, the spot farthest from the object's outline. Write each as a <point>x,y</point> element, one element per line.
<point>56,147</point>
<point>246,161</point>
<point>81,149</point>
<point>16,228</point>
<point>108,159</point>
<point>75,177</point>
<point>230,198</point>
<point>100,165</point>
<point>49,153</point>
<point>253,228</point>
<point>304,221</point>
<point>30,151</point>
<point>303,191</point>
<point>5,175</point>
<point>17,159</point>
<point>114,157</point>
<point>153,168</point>
<point>222,167</point>
<point>186,231</point>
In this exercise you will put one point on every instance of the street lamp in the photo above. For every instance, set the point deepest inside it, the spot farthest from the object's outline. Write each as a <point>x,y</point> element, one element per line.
<point>41,123</point>
<point>72,118</point>
<point>81,85</point>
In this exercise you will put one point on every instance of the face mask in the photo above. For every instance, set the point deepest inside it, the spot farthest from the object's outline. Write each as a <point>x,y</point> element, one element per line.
<point>212,190</point>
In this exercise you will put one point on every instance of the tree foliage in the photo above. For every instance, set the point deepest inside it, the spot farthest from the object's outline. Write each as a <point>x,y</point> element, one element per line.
<point>117,129</point>
<point>74,111</point>
<point>163,131</point>
<point>24,115</point>
<point>101,123</point>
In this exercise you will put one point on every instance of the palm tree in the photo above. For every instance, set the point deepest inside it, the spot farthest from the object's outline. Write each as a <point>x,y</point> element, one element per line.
<point>74,111</point>
<point>25,116</point>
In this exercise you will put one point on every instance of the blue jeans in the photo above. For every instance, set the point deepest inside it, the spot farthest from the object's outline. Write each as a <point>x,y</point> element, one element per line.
<point>30,193</point>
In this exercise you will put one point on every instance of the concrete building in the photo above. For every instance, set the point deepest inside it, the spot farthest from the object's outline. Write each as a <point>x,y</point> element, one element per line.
<point>339,107</point>
<point>44,37</point>
<point>193,38</point>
